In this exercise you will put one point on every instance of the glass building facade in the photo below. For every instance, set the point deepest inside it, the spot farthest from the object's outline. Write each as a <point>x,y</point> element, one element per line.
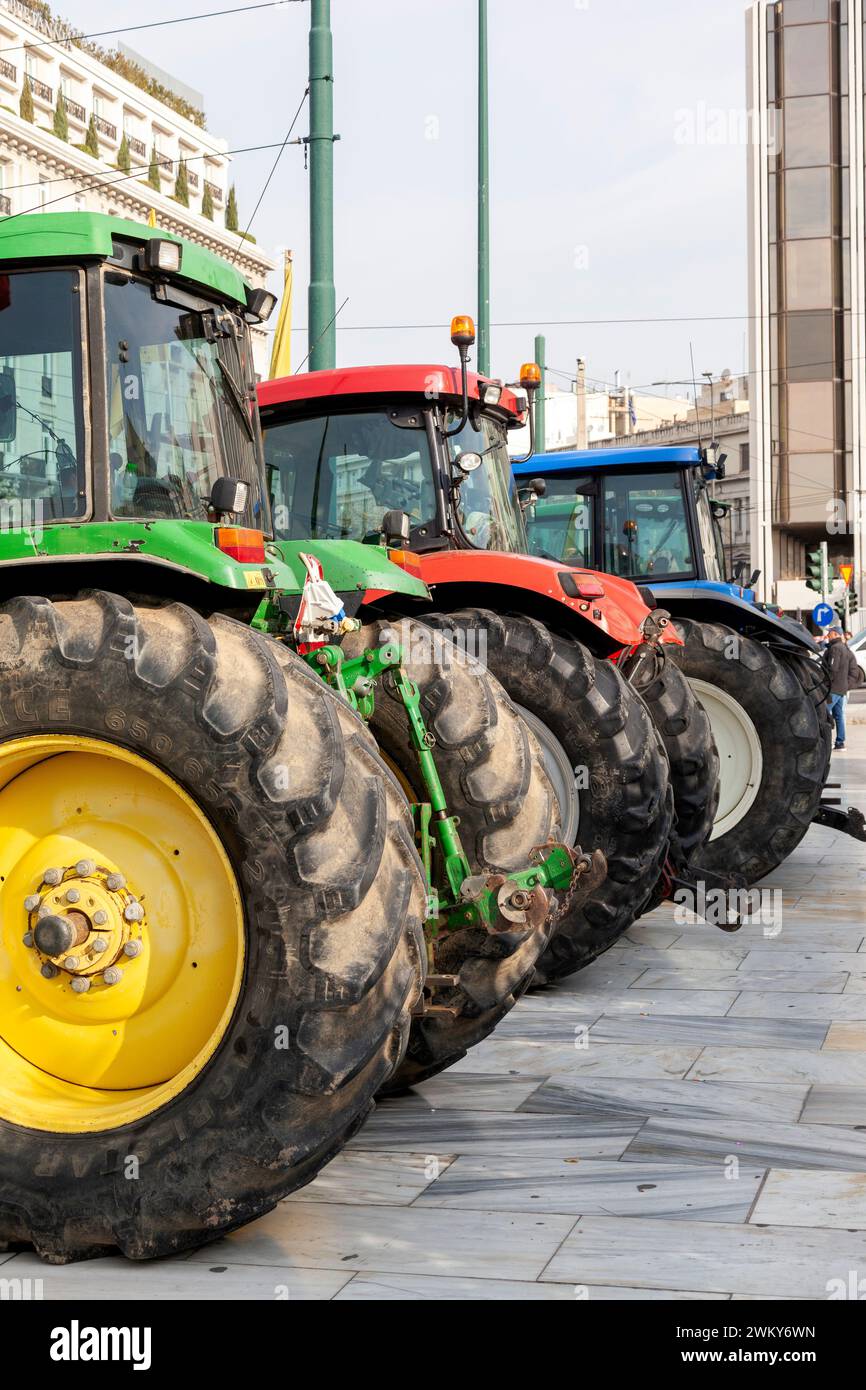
<point>807,275</point>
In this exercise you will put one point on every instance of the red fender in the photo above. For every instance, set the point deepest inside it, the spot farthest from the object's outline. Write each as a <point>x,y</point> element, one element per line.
<point>608,603</point>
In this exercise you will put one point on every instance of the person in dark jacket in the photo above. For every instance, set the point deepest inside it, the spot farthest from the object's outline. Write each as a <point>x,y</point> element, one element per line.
<point>844,675</point>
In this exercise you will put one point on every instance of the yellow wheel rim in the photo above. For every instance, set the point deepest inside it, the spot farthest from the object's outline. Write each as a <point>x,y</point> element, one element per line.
<point>99,845</point>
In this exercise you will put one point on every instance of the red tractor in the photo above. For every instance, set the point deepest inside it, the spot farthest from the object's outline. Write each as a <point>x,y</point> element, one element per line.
<point>418,455</point>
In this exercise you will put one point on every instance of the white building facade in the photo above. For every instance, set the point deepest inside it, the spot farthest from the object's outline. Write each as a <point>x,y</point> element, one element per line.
<point>807,274</point>
<point>41,172</point>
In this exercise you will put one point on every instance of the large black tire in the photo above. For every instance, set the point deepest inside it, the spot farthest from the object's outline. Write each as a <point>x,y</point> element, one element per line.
<point>319,836</point>
<point>692,754</point>
<point>756,831</point>
<point>494,779</point>
<point>601,725</point>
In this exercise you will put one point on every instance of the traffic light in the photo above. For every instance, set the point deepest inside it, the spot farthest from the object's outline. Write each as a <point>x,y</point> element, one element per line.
<point>816,569</point>
<point>840,612</point>
<point>852,602</point>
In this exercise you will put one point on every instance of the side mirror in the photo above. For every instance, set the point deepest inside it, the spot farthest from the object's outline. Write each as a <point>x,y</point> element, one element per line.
<point>738,572</point>
<point>538,486</point>
<point>8,406</point>
<point>229,497</point>
<point>396,528</point>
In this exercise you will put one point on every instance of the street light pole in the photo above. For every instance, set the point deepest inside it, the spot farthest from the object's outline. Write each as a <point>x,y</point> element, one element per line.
<point>321,310</point>
<point>483,350</point>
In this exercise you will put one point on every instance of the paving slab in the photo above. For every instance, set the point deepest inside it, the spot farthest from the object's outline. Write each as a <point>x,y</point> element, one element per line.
<point>814,1198</point>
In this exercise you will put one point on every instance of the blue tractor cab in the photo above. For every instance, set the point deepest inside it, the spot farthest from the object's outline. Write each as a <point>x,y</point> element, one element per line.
<point>650,516</point>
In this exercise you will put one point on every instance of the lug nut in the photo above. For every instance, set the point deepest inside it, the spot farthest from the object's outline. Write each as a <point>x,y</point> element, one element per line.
<point>132,948</point>
<point>115,881</point>
<point>32,902</point>
<point>70,963</point>
<point>100,918</point>
<point>112,975</point>
<point>52,876</point>
<point>99,945</point>
<point>85,867</point>
<point>73,895</point>
<point>49,970</point>
<point>133,912</point>
<point>27,938</point>
<point>81,984</point>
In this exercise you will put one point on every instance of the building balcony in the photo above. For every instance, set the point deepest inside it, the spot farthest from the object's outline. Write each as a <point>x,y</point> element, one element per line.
<point>75,111</point>
<point>136,146</point>
<point>105,128</point>
<point>9,72</point>
<point>5,205</point>
<point>164,162</point>
<point>41,91</point>
<point>192,178</point>
<point>215,191</point>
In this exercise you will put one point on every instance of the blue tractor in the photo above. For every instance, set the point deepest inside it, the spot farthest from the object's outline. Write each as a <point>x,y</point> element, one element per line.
<point>649,515</point>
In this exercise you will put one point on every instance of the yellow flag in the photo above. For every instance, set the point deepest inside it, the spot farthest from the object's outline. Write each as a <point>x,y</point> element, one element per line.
<point>281,353</point>
<point>151,218</point>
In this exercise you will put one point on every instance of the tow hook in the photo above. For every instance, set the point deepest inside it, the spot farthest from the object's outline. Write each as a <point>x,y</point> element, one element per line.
<point>851,822</point>
<point>695,887</point>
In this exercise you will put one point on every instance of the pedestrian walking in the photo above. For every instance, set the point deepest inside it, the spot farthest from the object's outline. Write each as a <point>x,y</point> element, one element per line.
<point>845,675</point>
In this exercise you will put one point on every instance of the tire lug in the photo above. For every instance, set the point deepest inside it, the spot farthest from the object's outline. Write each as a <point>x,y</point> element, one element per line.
<point>132,948</point>
<point>115,881</point>
<point>32,902</point>
<point>81,984</point>
<point>112,975</point>
<point>133,912</point>
<point>85,867</point>
<point>52,876</point>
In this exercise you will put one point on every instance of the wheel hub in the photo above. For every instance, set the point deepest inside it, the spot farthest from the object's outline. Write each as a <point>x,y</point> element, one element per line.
<point>84,921</point>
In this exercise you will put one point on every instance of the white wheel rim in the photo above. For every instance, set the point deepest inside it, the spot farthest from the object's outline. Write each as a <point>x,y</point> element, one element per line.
<point>561,773</point>
<point>741,761</point>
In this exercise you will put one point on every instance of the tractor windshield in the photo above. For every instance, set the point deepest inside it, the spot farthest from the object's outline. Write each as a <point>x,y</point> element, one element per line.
<point>179,415</point>
<point>560,524</point>
<point>337,475</point>
<point>646,531</point>
<point>485,499</point>
<point>41,423</point>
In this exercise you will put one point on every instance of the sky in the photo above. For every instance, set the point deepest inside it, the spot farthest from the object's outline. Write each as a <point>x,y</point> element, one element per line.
<point>618,169</point>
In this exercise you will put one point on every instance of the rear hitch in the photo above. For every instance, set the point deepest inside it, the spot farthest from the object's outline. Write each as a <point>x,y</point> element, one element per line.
<point>851,822</point>
<point>708,895</point>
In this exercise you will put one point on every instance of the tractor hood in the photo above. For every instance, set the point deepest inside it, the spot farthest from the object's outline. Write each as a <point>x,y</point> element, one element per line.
<point>723,603</point>
<point>350,566</point>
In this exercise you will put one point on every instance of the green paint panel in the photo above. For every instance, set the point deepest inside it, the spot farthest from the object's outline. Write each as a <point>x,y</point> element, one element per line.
<point>350,565</point>
<point>71,236</point>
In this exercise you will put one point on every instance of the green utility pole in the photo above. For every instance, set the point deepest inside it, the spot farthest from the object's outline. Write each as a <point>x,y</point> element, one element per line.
<point>540,349</point>
<point>321,306</point>
<point>483,198</point>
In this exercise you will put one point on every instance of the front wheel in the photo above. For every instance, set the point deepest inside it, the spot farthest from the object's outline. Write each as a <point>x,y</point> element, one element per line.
<point>211,925</point>
<point>773,748</point>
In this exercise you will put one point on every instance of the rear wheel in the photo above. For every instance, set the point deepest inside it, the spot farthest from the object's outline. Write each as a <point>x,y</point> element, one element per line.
<point>494,779</point>
<point>693,758</point>
<point>772,742</point>
<point>617,797</point>
<point>211,925</point>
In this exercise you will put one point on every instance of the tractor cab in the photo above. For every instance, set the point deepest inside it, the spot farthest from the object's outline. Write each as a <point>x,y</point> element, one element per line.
<point>645,514</point>
<point>417,454</point>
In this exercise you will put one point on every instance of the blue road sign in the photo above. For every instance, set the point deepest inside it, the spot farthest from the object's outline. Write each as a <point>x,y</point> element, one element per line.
<point>822,615</point>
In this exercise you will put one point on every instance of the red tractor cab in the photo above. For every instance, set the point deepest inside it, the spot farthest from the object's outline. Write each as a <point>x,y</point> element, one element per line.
<point>417,454</point>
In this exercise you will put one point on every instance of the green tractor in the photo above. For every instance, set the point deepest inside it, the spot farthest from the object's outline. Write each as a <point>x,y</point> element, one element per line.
<point>218,906</point>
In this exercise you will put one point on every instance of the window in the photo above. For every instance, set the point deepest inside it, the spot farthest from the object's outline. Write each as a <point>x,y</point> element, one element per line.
<point>335,476</point>
<point>486,502</point>
<point>806,60</point>
<point>811,480</point>
<point>803,11</point>
<point>807,131</point>
<point>560,523</point>
<point>807,203</point>
<point>645,528</point>
<point>810,417</point>
<point>41,433</point>
<point>809,274</point>
<point>178,405</point>
<point>810,341</point>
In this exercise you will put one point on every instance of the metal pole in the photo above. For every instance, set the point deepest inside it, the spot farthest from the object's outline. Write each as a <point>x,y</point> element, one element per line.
<point>540,441</point>
<point>483,350</point>
<point>321,310</point>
